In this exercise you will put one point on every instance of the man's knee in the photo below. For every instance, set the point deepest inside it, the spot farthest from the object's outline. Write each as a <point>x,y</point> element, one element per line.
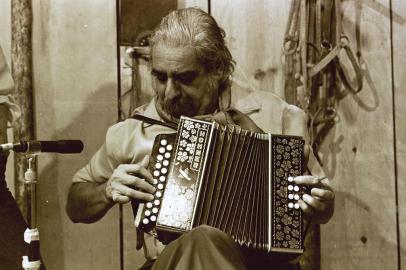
<point>205,233</point>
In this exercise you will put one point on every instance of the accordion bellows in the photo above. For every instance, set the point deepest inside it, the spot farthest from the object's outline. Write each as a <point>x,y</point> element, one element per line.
<point>238,181</point>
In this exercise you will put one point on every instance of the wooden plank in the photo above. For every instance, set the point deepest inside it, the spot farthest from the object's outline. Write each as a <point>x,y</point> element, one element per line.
<point>359,157</point>
<point>255,31</point>
<point>21,70</point>
<point>75,80</point>
<point>203,4</point>
<point>399,54</point>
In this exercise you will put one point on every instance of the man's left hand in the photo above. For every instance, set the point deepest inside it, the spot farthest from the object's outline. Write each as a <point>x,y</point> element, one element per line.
<point>319,204</point>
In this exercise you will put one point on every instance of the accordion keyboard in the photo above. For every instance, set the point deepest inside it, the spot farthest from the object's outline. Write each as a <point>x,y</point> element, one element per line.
<point>159,167</point>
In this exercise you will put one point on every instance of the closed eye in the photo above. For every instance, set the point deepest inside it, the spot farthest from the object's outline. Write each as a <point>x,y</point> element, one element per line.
<point>187,77</point>
<point>162,77</point>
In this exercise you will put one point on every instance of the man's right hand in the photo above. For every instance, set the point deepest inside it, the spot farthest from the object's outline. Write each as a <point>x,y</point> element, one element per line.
<point>130,181</point>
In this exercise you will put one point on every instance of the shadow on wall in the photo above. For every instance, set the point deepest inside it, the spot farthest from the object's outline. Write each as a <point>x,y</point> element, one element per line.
<point>369,103</point>
<point>65,245</point>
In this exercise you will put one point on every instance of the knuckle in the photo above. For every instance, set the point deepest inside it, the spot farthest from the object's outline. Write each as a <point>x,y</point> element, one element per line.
<point>137,182</point>
<point>136,167</point>
<point>120,167</point>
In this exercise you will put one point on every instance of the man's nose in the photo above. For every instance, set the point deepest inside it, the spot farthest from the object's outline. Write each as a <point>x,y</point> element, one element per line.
<point>171,90</point>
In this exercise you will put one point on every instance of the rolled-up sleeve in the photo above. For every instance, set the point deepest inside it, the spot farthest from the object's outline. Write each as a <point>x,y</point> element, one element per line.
<point>104,161</point>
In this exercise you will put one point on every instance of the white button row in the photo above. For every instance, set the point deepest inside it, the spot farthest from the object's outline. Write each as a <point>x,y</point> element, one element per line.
<point>146,220</point>
<point>291,205</point>
<point>295,188</point>
<point>293,196</point>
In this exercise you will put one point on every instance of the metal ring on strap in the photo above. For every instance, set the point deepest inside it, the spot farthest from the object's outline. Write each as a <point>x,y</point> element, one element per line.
<point>290,45</point>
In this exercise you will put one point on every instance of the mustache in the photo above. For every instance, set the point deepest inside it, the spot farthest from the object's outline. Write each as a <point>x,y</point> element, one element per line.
<point>179,106</point>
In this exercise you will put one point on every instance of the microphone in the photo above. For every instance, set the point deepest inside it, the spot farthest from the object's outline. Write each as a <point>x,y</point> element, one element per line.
<point>61,146</point>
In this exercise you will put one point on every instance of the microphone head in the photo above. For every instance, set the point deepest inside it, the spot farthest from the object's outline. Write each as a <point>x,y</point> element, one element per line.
<point>70,146</point>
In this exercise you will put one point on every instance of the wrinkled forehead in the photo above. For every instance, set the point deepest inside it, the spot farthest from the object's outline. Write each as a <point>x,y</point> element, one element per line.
<point>168,58</point>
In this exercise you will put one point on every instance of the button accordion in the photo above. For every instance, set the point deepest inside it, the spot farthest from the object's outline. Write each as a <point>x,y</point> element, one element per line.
<point>236,180</point>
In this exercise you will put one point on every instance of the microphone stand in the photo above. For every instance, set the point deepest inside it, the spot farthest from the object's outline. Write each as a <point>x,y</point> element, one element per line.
<point>32,260</point>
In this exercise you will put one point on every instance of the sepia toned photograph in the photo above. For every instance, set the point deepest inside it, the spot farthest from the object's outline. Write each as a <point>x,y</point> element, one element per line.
<point>202,134</point>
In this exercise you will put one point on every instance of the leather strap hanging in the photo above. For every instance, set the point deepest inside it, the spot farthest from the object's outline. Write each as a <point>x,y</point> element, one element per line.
<point>314,44</point>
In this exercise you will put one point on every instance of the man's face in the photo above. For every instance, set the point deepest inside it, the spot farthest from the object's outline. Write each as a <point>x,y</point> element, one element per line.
<point>182,85</point>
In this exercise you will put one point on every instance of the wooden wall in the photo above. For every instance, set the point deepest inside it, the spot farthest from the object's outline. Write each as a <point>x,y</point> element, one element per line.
<point>359,157</point>
<point>75,96</point>
<point>75,85</point>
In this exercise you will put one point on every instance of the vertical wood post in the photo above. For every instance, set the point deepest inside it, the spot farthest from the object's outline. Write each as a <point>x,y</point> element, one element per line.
<point>21,68</point>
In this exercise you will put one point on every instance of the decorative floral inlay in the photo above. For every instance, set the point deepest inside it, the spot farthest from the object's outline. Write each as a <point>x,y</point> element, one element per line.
<point>287,152</point>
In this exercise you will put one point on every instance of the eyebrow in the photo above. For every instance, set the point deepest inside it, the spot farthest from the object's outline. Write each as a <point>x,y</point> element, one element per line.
<point>176,74</point>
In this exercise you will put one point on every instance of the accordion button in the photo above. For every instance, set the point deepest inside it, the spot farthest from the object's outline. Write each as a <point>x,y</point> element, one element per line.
<point>158,194</point>
<point>154,210</point>
<point>169,147</point>
<point>147,212</point>
<point>157,202</point>
<point>290,187</point>
<point>149,205</point>
<point>160,186</point>
<point>153,218</point>
<point>156,173</point>
<point>158,165</point>
<point>297,206</point>
<point>297,197</point>
<point>167,155</point>
<point>296,188</point>
<point>162,178</point>
<point>161,150</point>
<point>290,205</point>
<point>160,157</point>
<point>164,142</point>
<point>290,196</point>
<point>164,170</point>
<point>290,179</point>
<point>145,221</point>
<point>154,181</point>
<point>165,163</point>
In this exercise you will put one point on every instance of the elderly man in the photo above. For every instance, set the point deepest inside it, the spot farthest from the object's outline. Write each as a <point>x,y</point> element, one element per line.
<point>191,69</point>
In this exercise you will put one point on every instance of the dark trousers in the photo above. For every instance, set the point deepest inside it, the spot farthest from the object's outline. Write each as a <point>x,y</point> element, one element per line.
<point>208,248</point>
<point>12,226</point>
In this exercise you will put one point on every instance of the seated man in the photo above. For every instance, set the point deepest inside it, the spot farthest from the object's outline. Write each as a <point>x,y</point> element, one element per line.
<point>191,69</point>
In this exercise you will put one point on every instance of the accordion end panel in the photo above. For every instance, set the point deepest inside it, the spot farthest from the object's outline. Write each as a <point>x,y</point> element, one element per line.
<point>286,160</point>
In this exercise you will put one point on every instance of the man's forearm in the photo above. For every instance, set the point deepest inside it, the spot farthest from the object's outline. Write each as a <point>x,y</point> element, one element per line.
<point>87,202</point>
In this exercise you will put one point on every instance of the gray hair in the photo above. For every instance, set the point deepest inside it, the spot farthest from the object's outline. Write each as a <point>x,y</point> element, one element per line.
<point>196,28</point>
